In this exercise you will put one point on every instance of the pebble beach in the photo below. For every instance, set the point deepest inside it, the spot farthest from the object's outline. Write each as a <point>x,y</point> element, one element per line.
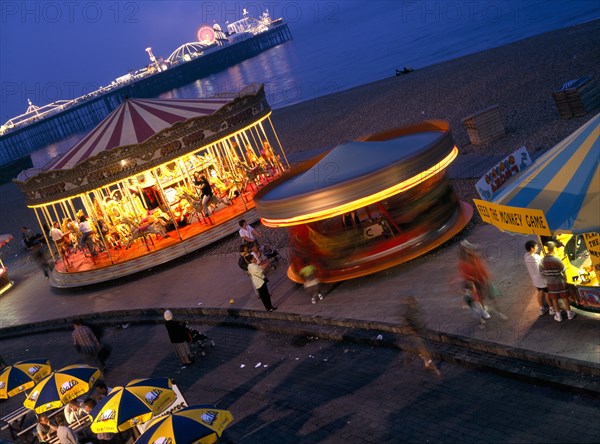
<point>519,78</point>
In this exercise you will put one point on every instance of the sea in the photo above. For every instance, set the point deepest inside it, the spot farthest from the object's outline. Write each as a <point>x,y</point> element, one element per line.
<point>341,44</point>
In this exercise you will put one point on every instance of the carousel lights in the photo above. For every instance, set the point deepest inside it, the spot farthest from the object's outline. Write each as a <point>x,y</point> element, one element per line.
<point>367,200</point>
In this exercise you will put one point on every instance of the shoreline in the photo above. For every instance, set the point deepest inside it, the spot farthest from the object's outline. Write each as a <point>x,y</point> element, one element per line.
<point>519,77</point>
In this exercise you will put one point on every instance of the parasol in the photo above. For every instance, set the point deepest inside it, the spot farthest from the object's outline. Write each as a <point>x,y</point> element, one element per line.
<point>22,376</point>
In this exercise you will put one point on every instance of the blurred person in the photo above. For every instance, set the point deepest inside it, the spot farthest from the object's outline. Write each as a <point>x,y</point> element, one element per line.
<point>40,256</point>
<point>64,434</point>
<point>532,261</point>
<point>553,271</point>
<point>179,337</point>
<point>474,275</point>
<point>312,285</point>
<point>415,329</point>
<point>30,239</point>
<point>259,281</point>
<point>87,345</point>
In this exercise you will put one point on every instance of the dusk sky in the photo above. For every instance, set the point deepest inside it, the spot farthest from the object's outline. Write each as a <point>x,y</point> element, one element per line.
<point>58,50</point>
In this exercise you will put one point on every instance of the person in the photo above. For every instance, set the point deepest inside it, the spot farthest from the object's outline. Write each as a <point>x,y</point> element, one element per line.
<point>475,276</point>
<point>101,391</point>
<point>73,412</point>
<point>64,434</point>
<point>86,235</point>
<point>39,253</point>
<point>179,337</point>
<point>247,233</point>
<point>312,285</point>
<point>415,329</point>
<point>57,235</point>
<point>532,261</point>
<point>30,239</point>
<point>45,428</point>
<point>242,261</point>
<point>553,271</point>
<point>260,282</point>
<point>87,345</point>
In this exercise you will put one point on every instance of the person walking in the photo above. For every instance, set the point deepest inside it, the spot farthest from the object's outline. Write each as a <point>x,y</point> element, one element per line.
<point>260,282</point>
<point>532,261</point>
<point>312,285</point>
<point>475,276</point>
<point>87,345</point>
<point>415,330</point>
<point>553,271</point>
<point>179,337</point>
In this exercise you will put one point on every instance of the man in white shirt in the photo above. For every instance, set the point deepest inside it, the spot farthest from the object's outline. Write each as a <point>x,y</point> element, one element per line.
<point>56,233</point>
<point>532,262</point>
<point>73,412</point>
<point>247,233</point>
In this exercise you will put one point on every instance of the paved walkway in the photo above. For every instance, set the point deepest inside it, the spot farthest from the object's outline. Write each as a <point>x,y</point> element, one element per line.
<point>211,281</point>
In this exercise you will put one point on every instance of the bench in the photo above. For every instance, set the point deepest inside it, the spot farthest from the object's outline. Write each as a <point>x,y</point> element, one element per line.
<point>14,421</point>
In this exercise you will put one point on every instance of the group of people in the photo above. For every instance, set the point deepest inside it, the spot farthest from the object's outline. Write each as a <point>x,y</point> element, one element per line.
<point>63,423</point>
<point>548,276</point>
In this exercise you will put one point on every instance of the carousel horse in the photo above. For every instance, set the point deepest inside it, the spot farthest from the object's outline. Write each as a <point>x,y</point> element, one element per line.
<point>194,201</point>
<point>149,225</point>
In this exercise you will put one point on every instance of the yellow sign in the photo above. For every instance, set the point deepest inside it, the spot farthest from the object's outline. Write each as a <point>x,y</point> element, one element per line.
<point>592,242</point>
<point>513,219</point>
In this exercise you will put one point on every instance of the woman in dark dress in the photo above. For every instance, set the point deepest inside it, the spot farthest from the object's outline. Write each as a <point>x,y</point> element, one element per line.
<point>179,336</point>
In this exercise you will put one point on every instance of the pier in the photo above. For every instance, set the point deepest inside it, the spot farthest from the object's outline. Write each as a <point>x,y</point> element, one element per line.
<point>19,143</point>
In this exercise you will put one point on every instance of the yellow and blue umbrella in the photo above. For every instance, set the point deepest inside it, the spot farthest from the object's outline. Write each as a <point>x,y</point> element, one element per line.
<point>22,376</point>
<point>137,402</point>
<point>564,183</point>
<point>202,424</point>
<point>61,386</point>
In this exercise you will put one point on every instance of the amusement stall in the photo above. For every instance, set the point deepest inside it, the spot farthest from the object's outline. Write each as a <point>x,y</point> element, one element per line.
<point>153,181</point>
<point>369,204</point>
<point>559,196</point>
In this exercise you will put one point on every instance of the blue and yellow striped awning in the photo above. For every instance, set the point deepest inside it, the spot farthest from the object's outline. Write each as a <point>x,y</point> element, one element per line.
<point>564,183</point>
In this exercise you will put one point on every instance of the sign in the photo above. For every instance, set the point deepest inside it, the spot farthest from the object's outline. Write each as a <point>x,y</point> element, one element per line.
<point>592,242</point>
<point>513,219</point>
<point>508,167</point>
<point>589,297</point>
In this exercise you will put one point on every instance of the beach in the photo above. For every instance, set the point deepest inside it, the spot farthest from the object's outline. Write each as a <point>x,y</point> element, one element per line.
<point>519,78</point>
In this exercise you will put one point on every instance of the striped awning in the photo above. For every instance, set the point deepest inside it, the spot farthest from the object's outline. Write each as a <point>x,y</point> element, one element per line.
<point>564,183</point>
<point>133,122</point>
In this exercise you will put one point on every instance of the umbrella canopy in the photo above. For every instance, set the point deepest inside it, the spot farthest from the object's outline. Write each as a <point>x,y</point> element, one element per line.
<point>4,239</point>
<point>194,424</point>
<point>564,183</point>
<point>60,387</point>
<point>22,376</point>
<point>137,402</point>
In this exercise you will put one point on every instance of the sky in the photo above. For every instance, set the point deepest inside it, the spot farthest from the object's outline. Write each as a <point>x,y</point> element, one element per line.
<point>52,50</point>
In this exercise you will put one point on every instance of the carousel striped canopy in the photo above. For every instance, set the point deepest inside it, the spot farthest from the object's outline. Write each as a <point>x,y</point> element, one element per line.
<point>564,183</point>
<point>133,122</point>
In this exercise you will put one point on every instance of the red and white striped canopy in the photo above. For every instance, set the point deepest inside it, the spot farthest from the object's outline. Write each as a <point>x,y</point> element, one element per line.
<point>133,122</point>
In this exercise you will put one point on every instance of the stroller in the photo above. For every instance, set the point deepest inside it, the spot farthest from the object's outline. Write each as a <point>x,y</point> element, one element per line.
<point>198,342</point>
<point>271,255</point>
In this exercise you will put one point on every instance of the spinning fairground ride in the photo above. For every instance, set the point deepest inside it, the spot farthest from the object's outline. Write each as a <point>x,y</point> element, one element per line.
<point>368,205</point>
<point>155,180</point>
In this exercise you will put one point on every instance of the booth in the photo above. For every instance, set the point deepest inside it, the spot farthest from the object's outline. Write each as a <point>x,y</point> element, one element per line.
<point>559,195</point>
<point>139,177</point>
<point>369,204</point>
<point>5,281</point>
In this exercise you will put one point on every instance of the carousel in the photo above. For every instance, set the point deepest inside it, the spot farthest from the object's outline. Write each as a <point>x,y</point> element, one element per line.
<point>558,197</point>
<point>155,180</point>
<point>368,205</point>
